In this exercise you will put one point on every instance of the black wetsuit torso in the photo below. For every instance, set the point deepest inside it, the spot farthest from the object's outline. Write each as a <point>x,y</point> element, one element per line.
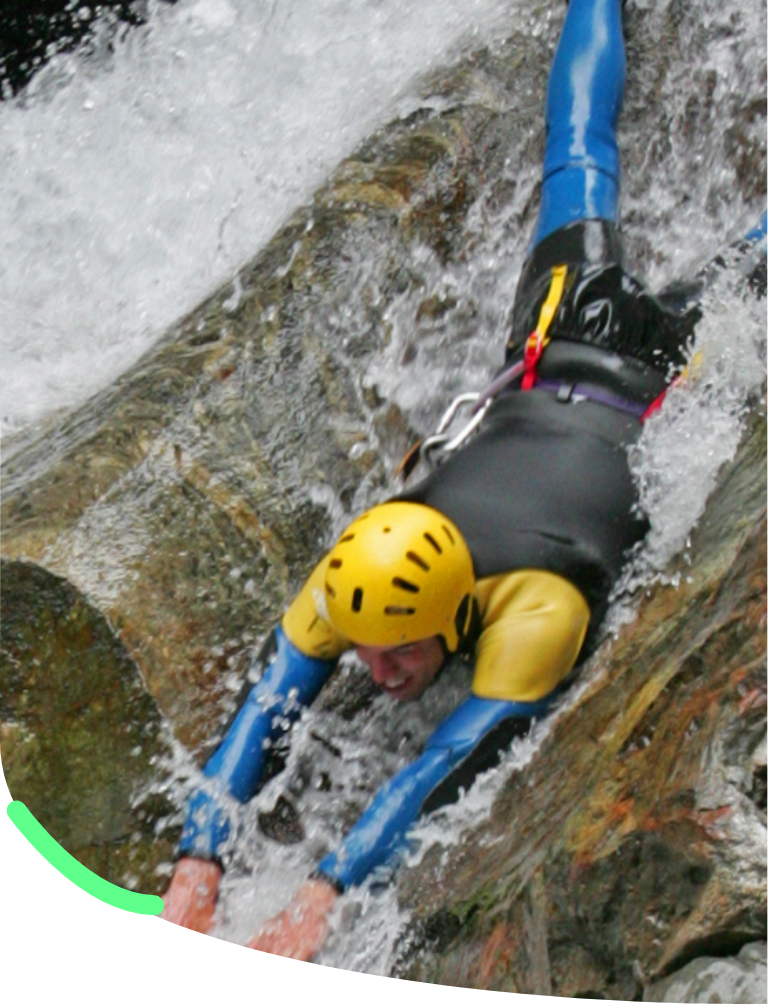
<point>546,484</point>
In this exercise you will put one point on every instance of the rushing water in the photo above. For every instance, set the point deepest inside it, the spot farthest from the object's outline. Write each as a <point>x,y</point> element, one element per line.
<point>137,178</point>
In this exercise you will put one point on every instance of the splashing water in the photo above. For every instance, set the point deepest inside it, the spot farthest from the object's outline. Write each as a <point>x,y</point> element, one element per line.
<point>684,446</point>
<point>138,175</point>
<point>137,179</point>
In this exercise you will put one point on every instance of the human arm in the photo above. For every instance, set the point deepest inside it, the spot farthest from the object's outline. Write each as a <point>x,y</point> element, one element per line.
<point>298,658</point>
<point>190,900</point>
<point>533,629</point>
<point>300,930</point>
<point>291,681</point>
<point>465,744</point>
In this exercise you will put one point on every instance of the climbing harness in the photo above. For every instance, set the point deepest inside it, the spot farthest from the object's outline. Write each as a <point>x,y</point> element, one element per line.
<point>443,441</point>
<point>692,371</point>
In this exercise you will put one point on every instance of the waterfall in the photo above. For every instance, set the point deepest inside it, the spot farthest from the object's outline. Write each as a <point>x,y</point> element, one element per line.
<point>141,172</point>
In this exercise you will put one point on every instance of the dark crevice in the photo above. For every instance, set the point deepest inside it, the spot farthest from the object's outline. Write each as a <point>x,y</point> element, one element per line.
<point>36,30</point>
<point>719,945</point>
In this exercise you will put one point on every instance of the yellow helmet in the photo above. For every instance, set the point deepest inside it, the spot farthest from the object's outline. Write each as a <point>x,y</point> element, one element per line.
<point>400,573</point>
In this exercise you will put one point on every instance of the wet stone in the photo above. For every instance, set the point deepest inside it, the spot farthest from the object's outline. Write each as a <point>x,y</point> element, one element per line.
<point>82,742</point>
<point>151,538</point>
<point>738,980</point>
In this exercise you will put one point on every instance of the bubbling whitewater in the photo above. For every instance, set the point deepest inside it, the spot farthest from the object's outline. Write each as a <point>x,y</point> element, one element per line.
<point>136,181</point>
<point>136,178</point>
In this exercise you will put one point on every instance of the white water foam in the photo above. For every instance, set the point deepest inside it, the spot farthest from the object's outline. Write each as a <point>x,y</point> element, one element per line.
<point>133,181</point>
<point>137,176</point>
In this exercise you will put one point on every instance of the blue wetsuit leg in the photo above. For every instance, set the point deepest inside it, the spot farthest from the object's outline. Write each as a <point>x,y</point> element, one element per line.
<point>586,87</point>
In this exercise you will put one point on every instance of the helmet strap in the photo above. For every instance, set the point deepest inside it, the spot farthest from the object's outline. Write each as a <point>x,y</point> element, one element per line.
<point>468,625</point>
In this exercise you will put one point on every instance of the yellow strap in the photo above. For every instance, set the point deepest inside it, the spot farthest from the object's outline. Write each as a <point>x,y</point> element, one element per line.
<point>537,340</point>
<point>550,305</point>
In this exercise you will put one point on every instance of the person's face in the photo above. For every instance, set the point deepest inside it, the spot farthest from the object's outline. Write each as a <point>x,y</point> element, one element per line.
<point>404,672</point>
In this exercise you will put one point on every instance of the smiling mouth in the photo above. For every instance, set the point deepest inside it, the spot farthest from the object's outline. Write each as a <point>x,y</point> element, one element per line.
<point>395,682</point>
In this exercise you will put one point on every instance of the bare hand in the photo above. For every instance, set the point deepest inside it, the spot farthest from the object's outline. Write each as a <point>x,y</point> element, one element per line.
<point>300,930</point>
<point>191,898</point>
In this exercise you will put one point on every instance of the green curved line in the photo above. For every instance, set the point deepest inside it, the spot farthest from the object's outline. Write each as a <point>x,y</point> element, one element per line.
<point>76,872</point>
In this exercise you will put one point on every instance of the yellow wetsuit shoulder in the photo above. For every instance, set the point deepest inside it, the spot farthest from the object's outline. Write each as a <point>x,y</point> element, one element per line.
<point>533,627</point>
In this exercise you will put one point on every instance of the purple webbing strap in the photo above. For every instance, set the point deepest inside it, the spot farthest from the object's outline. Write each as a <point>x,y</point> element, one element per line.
<point>595,394</point>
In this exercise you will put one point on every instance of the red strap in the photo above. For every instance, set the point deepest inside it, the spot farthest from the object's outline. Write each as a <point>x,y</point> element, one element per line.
<point>656,404</point>
<point>534,344</point>
<point>534,347</point>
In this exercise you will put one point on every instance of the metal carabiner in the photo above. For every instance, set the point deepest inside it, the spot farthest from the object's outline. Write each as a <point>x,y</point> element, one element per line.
<point>442,440</point>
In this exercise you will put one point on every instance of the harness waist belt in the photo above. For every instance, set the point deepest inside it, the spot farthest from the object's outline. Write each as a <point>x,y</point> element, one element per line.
<point>567,392</point>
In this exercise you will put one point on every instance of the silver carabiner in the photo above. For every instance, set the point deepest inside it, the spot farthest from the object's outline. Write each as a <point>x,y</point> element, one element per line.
<point>441,440</point>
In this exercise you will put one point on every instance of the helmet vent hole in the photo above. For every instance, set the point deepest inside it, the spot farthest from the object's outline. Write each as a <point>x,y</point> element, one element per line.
<point>347,537</point>
<point>394,609</point>
<point>403,584</point>
<point>357,600</point>
<point>387,530</point>
<point>330,590</point>
<point>335,563</point>
<point>448,534</point>
<point>417,560</point>
<point>433,542</point>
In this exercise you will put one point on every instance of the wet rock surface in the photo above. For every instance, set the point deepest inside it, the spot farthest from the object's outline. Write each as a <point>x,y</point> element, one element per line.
<point>82,742</point>
<point>739,979</point>
<point>151,538</point>
<point>184,505</point>
<point>646,848</point>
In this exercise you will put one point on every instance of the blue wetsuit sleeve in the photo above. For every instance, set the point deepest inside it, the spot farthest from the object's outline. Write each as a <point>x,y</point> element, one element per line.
<point>382,829</point>
<point>290,683</point>
<point>757,234</point>
<point>754,266</point>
